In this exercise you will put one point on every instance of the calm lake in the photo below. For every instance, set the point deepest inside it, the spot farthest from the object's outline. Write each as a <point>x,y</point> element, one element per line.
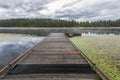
<point>12,45</point>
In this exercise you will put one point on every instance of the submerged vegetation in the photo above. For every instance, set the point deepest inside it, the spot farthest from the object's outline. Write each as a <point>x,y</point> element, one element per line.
<point>104,51</point>
<point>9,37</point>
<point>56,23</point>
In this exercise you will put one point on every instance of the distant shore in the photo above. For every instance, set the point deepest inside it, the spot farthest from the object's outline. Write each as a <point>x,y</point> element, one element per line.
<point>44,31</point>
<point>59,27</point>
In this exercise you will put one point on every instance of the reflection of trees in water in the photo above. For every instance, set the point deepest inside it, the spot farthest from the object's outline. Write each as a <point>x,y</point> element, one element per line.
<point>46,31</point>
<point>103,31</point>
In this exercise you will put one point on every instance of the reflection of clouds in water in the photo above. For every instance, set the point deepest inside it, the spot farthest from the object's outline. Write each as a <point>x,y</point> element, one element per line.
<point>11,49</point>
<point>96,34</point>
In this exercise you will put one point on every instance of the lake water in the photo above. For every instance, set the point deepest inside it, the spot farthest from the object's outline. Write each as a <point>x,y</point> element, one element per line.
<point>98,34</point>
<point>12,45</point>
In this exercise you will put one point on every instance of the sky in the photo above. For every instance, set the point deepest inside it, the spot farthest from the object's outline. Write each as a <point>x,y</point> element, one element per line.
<point>79,10</point>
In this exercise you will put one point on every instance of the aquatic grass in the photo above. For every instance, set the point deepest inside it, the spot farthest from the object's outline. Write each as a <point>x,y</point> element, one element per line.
<point>9,36</point>
<point>100,50</point>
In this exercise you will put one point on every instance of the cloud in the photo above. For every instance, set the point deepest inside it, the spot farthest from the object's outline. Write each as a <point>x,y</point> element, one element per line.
<point>80,10</point>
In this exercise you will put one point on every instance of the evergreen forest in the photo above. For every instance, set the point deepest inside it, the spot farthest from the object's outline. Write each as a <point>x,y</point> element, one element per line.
<point>23,22</point>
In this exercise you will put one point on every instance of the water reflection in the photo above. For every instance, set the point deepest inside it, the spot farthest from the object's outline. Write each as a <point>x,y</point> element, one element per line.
<point>11,49</point>
<point>98,34</point>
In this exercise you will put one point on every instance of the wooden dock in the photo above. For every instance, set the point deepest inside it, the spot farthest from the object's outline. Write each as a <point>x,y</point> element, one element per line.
<point>54,58</point>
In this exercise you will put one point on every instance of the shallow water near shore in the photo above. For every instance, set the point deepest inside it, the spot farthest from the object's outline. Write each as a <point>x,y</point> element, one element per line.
<point>12,45</point>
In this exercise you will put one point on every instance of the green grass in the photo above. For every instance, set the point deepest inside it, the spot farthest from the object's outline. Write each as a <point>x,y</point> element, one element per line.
<point>101,50</point>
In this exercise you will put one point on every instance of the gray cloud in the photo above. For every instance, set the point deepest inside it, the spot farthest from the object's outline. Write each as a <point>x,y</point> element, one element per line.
<point>4,6</point>
<point>69,14</point>
<point>104,10</point>
<point>80,10</point>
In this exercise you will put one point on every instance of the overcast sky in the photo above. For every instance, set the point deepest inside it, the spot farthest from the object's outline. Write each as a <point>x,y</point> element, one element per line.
<point>80,10</point>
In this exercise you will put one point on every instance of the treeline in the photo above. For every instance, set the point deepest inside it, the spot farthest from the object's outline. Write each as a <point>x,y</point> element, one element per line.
<point>56,23</point>
<point>37,23</point>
